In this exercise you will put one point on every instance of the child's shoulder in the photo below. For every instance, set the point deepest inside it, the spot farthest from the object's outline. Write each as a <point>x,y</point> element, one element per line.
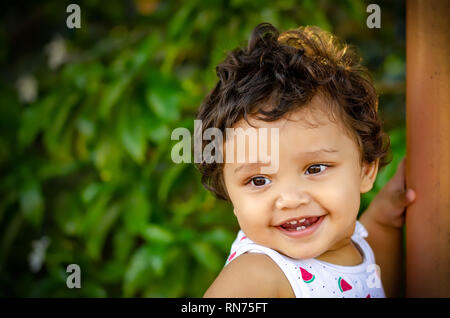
<point>251,275</point>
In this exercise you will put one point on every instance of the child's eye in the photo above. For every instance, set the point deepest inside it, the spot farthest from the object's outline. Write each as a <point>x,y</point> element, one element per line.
<point>259,181</point>
<point>315,169</point>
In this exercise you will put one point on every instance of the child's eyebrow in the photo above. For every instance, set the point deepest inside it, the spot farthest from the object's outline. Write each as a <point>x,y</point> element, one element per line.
<point>248,165</point>
<point>308,154</point>
<point>317,152</point>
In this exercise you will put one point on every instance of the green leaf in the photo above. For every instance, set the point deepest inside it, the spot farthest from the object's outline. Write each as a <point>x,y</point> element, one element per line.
<point>123,243</point>
<point>68,218</point>
<point>97,237</point>
<point>57,136</point>
<point>91,289</point>
<point>34,119</point>
<point>132,134</point>
<point>107,157</point>
<point>111,95</point>
<point>168,180</point>
<point>181,20</point>
<point>146,263</point>
<point>136,211</point>
<point>112,272</point>
<point>175,281</point>
<point>158,234</point>
<point>220,237</point>
<point>95,212</point>
<point>206,255</point>
<point>163,96</point>
<point>8,237</point>
<point>90,192</point>
<point>32,204</point>
<point>157,131</point>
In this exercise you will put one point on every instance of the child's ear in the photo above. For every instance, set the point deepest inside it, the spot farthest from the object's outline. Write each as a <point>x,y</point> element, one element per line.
<point>368,175</point>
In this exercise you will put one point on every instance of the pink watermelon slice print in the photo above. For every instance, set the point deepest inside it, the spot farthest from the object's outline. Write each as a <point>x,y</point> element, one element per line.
<point>307,276</point>
<point>231,256</point>
<point>343,285</point>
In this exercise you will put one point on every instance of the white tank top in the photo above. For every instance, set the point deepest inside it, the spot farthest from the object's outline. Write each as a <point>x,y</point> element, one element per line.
<point>315,278</point>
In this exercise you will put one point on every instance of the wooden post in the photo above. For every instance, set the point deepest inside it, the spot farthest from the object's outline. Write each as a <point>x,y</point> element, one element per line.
<point>428,148</point>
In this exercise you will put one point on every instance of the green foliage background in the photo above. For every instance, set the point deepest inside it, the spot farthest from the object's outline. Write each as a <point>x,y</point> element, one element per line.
<point>87,163</point>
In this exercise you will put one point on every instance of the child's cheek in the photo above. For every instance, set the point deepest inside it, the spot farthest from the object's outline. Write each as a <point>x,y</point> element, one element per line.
<point>340,198</point>
<point>252,213</point>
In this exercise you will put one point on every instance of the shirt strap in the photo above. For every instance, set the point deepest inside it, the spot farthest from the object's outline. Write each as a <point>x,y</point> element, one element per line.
<point>283,262</point>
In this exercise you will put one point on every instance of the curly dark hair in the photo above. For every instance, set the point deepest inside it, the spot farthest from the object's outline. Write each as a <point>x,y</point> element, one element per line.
<point>286,71</point>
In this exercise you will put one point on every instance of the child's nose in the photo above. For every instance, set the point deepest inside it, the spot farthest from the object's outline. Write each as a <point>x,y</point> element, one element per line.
<point>291,199</point>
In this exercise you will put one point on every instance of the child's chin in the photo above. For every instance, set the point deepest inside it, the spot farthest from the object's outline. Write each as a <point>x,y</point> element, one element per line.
<point>300,255</point>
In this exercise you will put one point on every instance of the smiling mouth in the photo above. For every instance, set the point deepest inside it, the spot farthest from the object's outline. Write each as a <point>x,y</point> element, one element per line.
<point>296,225</point>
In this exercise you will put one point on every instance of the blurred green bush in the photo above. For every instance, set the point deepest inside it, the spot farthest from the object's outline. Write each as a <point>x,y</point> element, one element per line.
<point>85,143</point>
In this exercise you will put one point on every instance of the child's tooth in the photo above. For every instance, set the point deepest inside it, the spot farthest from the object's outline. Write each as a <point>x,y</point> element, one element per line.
<point>293,222</point>
<point>299,228</point>
<point>302,220</point>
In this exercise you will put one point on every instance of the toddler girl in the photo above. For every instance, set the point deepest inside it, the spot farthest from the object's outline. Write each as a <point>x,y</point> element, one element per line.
<point>299,235</point>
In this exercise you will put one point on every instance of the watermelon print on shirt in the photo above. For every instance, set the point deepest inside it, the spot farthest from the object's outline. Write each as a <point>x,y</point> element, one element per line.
<point>315,278</point>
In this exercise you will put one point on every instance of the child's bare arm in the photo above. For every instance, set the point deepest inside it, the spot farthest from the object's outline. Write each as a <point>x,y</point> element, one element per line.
<point>250,275</point>
<point>384,220</point>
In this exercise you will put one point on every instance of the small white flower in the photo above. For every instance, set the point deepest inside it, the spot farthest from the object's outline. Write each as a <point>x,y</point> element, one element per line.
<point>27,88</point>
<point>37,256</point>
<point>57,52</point>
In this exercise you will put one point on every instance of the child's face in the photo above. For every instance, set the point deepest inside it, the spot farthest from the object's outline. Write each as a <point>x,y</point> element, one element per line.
<point>319,175</point>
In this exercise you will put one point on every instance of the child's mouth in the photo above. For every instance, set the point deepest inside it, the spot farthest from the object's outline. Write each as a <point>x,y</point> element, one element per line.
<point>301,226</point>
